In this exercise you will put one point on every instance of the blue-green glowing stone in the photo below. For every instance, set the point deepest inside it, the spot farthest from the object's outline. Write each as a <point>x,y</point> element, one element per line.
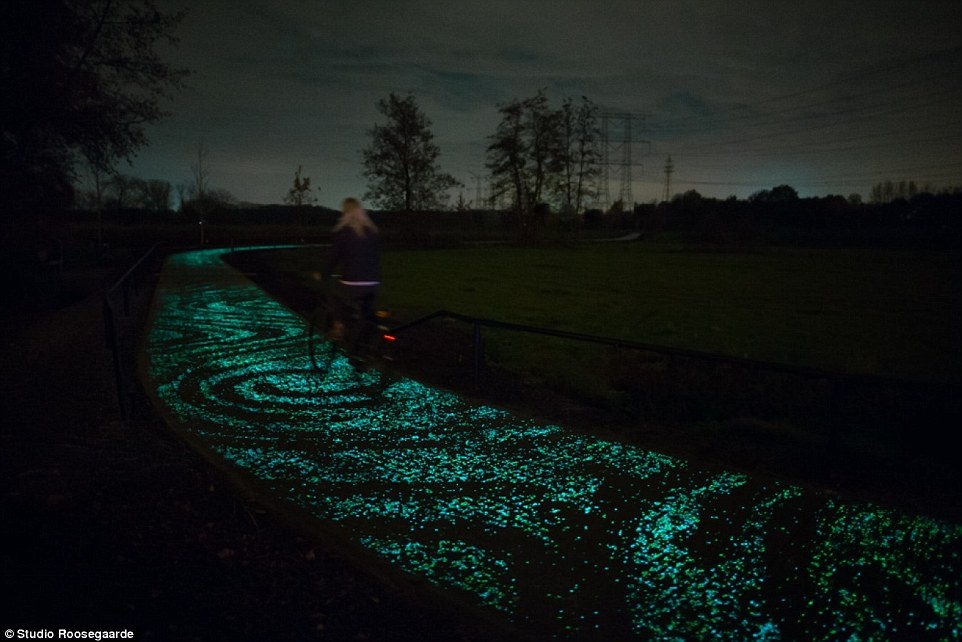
<point>567,535</point>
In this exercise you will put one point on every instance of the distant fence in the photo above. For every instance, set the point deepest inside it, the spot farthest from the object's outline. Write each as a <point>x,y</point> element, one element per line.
<point>120,302</point>
<point>689,385</point>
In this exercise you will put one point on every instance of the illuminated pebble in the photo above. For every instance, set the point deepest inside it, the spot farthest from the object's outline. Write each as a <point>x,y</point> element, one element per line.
<point>454,491</point>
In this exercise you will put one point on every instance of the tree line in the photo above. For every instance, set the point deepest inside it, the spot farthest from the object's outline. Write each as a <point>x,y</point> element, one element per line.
<point>82,80</point>
<point>544,162</point>
<point>779,215</point>
<point>538,156</point>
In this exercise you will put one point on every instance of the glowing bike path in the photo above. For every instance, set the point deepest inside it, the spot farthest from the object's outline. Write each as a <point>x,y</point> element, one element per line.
<point>565,535</point>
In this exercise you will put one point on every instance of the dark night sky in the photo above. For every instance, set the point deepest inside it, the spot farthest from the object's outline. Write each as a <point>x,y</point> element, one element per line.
<point>827,96</point>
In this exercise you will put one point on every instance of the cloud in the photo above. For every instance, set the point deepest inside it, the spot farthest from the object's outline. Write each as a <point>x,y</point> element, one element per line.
<point>282,83</point>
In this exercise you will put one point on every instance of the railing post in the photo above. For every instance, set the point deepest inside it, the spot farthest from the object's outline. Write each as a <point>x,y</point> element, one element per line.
<point>477,354</point>
<point>109,338</point>
<point>110,333</point>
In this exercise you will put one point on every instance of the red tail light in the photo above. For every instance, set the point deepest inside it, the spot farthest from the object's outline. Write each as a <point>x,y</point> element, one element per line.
<point>390,337</point>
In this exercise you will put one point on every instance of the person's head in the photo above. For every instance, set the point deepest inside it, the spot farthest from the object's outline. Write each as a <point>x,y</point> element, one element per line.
<point>354,217</point>
<point>350,203</point>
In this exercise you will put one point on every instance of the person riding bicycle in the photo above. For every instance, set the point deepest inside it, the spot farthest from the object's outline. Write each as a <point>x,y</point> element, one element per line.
<point>355,258</point>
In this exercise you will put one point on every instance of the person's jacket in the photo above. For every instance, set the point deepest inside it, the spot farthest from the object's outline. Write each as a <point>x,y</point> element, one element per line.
<point>355,258</point>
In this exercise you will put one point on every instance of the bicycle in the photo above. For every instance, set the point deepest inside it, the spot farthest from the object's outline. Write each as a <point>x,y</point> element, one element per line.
<point>364,352</point>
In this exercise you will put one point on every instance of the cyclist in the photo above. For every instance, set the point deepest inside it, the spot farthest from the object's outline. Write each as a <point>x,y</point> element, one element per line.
<point>355,257</point>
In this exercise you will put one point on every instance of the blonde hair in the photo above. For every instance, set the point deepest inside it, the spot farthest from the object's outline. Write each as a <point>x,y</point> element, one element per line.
<point>354,217</point>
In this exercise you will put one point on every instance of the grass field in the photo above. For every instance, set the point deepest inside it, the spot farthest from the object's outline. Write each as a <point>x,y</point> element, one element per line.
<point>884,312</point>
<point>863,311</point>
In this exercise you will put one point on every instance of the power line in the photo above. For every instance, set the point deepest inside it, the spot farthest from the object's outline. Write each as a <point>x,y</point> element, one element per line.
<point>859,76</point>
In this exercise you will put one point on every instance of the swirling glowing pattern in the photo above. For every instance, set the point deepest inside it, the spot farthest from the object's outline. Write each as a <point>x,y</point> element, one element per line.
<point>562,533</point>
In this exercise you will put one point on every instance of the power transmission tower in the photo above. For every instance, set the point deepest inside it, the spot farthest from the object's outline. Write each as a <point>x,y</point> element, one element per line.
<point>478,202</point>
<point>669,170</point>
<point>617,145</point>
<point>604,163</point>
<point>627,200</point>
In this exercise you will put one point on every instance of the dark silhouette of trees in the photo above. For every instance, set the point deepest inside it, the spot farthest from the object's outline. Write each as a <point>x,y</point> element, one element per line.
<point>888,191</point>
<point>524,152</point>
<point>81,79</point>
<point>204,201</point>
<point>155,195</point>
<point>539,156</point>
<point>401,163</point>
<point>124,190</point>
<point>523,157</point>
<point>300,192</point>
<point>780,216</point>
<point>299,196</point>
<point>578,155</point>
<point>200,174</point>
<point>779,194</point>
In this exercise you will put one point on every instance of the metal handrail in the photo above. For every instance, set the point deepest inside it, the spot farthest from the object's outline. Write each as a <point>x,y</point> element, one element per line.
<point>128,280</point>
<point>806,371</point>
<point>128,283</point>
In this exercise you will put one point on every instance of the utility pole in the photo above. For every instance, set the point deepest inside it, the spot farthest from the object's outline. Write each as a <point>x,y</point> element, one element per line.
<point>669,170</point>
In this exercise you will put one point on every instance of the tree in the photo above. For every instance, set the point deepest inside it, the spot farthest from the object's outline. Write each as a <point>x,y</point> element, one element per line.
<point>300,192</point>
<point>202,199</point>
<point>214,203</point>
<point>299,195</point>
<point>578,153</point>
<point>888,191</point>
<point>155,195</point>
<point>199,203</point>
<point>183,189</point>
<point>200,173</point>
<point>123,189</point>
<point>783,193</point>
<point>401,163</point>
<point>101,181</point>
<point>524,156</point>
<point>81,79</point>
<point>220,199</point>
<point>779,194</point>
